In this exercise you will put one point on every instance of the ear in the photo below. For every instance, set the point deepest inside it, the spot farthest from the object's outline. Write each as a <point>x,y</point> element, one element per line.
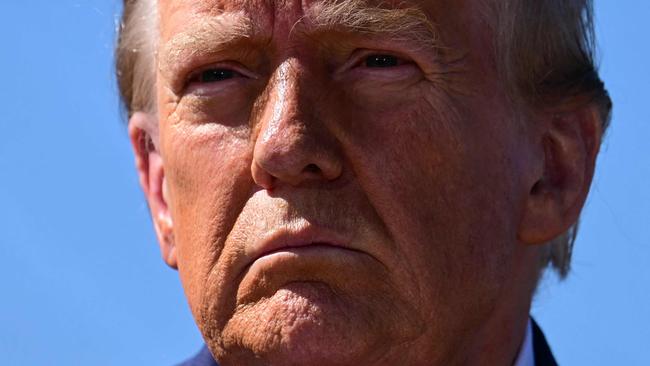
<point>568,146</point>
<point>143,132</point>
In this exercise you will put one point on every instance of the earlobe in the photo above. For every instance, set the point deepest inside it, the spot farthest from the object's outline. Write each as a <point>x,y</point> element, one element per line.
<point>569,143</point>
<point>143,132</point>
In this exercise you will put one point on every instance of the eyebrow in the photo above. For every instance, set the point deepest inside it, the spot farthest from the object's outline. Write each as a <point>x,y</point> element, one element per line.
<point>207,36</point>
<point>406,24</point>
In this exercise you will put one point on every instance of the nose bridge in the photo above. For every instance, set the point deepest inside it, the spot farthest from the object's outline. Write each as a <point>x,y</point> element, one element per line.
<point>282,113</point>
<point>292,146</point>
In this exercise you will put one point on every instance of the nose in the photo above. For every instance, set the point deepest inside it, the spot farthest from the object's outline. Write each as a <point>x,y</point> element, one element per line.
<point>293,145</point>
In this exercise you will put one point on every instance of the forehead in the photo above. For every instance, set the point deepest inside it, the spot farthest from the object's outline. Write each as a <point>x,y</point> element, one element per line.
<point>172,11</point>
<point>268,14</point>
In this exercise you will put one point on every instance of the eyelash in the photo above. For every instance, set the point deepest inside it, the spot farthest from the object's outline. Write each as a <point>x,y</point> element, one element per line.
<point>227,70</point>
<point>360,58</point>
<point>380,56</point>
<point>219,74</point>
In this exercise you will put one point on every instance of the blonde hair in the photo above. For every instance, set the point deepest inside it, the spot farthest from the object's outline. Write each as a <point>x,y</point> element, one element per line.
<point>135,55</point>
<point>543,50</point>
<point>545,53</point>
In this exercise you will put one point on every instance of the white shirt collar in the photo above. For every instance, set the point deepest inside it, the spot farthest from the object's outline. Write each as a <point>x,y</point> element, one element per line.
<point>526,353</point>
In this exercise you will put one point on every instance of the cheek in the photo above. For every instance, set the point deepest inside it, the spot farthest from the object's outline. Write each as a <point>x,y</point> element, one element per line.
<point>228,108</point>
<point>206,192</point>
<point>441,184</point>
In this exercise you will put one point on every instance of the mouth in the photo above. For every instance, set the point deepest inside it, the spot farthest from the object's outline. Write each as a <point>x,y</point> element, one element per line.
<point>297,238</point>
<point>298,253</point>
<point>305,247</point>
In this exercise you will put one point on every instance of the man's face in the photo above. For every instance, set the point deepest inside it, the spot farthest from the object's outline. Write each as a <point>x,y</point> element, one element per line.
<point>343,183</point>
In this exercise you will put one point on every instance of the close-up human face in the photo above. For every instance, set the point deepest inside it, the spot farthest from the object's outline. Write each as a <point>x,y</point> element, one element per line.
<point>340,188</point>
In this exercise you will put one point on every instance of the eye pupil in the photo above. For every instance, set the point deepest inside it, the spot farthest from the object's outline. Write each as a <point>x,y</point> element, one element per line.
<point>213,75</point>
<point>381,61</point>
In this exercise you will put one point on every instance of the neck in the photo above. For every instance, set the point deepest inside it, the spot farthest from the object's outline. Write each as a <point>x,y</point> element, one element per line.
<point>499,340</point>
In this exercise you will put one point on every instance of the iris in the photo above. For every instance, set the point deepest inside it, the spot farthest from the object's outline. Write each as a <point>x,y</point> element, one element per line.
<point>382,61</point>
<point>214,75</point>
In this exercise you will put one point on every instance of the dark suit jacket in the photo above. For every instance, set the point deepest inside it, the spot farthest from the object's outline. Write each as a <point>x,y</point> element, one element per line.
<point>543,354</point>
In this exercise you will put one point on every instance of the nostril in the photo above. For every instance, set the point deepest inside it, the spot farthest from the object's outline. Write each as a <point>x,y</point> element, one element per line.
<point>312,168</point>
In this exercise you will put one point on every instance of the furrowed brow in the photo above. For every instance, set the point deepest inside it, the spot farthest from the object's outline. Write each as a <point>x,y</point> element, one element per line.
<point>409,24</point>
<point>207,36</point>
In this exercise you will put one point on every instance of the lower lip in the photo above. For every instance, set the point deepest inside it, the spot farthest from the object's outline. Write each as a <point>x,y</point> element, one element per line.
<point>331,265</point>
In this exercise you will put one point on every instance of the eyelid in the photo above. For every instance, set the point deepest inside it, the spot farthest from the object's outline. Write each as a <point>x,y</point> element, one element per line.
<point>228,65</point>
<point>359,55</point>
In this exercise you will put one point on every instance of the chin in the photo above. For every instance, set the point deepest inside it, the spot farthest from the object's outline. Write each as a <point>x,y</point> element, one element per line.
<point>303,323</point>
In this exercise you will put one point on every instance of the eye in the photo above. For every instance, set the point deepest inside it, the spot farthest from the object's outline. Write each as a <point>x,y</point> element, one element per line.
<point>382,61</point>
<point>213,75</point>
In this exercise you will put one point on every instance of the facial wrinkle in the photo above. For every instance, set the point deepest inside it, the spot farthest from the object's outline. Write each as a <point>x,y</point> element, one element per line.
<point>404,23</point>
<point>207,35</point>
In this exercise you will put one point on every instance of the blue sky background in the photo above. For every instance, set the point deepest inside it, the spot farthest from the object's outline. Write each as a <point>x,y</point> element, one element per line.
<point>81,279</point>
